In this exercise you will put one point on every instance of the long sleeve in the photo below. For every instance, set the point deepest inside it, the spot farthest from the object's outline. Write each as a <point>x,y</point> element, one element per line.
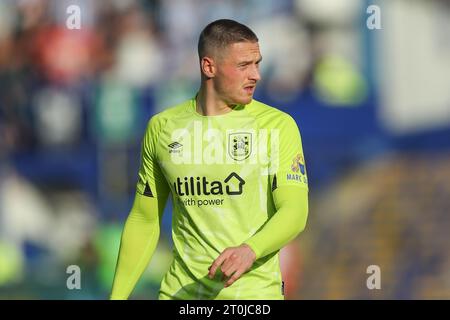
<point>142,227</point>
<point>289,220</point>
<point>289,184</point>
<point>138,243</point>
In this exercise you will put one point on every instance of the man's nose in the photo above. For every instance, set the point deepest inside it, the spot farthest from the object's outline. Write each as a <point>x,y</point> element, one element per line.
<point>255,75</point>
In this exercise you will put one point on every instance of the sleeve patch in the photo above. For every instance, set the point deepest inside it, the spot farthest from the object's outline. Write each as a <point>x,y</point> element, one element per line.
<point>148,191</point>
<point>274,182</point>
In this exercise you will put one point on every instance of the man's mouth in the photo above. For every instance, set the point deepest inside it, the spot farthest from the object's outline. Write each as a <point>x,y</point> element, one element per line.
<point>249,89</point>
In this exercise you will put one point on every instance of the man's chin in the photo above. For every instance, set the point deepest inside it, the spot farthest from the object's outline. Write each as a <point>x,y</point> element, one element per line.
<point>245,100</point>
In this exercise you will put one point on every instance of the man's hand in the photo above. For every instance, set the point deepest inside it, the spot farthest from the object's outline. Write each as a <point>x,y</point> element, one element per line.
<point>234,262</point>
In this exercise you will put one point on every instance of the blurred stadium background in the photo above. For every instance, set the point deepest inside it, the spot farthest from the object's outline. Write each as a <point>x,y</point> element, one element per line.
<point>373,107</point>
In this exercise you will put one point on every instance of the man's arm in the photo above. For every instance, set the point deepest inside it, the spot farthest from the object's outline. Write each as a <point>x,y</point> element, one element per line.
<point>289,193</point>
<point>291,203</point>
<point>139,240</point>
<point>141,231</point>
<point>289,220</point>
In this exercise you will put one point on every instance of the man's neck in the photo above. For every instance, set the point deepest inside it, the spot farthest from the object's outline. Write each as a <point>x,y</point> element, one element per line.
<point>208,104</point>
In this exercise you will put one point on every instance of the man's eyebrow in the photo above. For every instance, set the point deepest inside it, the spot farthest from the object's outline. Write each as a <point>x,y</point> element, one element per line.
<point>250,61</point>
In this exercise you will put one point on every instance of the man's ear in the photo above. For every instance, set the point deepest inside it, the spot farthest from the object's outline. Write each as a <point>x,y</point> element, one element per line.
<point>208,67</point>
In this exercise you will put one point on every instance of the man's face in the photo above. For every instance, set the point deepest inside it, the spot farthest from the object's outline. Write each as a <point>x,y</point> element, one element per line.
<point>238,72</point>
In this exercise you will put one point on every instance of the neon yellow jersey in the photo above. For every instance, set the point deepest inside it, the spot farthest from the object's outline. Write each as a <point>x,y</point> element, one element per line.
<point>221,171</point>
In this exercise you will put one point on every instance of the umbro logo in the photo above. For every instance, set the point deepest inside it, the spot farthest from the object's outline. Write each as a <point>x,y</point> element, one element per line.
<point>175,147</point>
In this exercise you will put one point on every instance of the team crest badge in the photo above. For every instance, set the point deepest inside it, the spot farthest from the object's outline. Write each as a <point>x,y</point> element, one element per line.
<point>240,145</point>
<point>298,164</point>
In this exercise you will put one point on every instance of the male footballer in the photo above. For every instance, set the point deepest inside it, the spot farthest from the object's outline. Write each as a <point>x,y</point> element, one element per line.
<point>235,170</point>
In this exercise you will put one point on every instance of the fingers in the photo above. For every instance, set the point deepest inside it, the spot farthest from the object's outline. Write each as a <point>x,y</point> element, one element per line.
<point>213,268</point>
<point>229,262</point>
<point>229,270</point>
<point>234,277</point>
<point>233,262</point>
<point>233,272</point>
